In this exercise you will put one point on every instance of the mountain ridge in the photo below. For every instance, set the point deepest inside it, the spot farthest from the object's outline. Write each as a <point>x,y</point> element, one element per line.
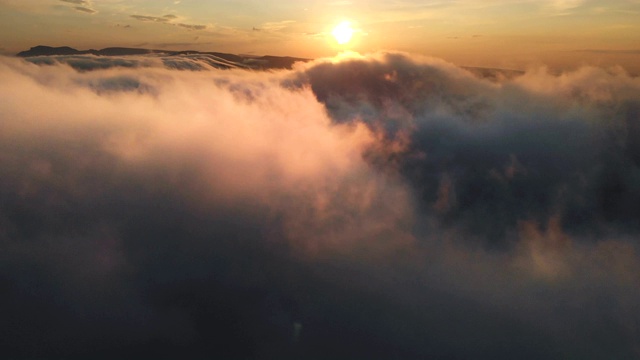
<point>251,62</point>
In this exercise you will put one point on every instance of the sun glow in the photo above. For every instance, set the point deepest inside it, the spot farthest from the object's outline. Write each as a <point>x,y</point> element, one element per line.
<point>343,32</point>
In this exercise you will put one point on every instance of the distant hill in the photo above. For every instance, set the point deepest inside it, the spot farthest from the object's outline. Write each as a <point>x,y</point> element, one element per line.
<point>232,60</point>
<point>41,50</point>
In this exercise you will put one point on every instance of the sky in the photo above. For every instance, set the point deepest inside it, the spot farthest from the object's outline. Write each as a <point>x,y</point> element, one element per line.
<point>386,202</point>
<point>492,33</point>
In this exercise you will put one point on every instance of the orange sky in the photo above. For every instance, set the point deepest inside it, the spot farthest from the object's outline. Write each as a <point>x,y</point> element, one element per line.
<point>493,33</point>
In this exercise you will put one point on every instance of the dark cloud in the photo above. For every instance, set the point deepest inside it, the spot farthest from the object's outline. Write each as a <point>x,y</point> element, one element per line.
<point>77,2</point>
<point>360,207</point>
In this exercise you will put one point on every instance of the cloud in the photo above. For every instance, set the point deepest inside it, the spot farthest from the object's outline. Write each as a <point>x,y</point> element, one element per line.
<point>196,61</point>
<point>168,19</point>
<point>449,125</point>
<point>89,63</point>
<point>373,206</point>
<point>566,4</point>
<point>84,9</point>
<point>276,26</point>
<point>150,18</point>
<point>192,27</point>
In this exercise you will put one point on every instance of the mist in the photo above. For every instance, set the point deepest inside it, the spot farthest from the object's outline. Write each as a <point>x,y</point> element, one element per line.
<point>363,206</point>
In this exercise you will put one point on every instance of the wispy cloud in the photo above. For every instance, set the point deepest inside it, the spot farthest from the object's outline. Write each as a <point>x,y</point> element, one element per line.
<point>150,18</point>
<point>85,6</point>
<point>565,4</point>
<point>169,19</point>
<point>85,9</point>
<point>276,26</point>
<point>192,27</point>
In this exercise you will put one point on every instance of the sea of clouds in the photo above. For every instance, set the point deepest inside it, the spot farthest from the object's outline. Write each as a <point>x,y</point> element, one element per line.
<point>378,206</point>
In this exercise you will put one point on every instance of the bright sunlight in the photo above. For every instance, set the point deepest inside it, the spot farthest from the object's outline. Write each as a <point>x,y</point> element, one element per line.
<point>343,32</point>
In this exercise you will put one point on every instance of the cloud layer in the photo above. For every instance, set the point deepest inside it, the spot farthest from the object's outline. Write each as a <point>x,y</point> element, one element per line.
<point>372,206</point>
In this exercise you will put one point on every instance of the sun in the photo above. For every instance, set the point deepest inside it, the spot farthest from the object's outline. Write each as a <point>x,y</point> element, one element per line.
<point>343,32</point>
